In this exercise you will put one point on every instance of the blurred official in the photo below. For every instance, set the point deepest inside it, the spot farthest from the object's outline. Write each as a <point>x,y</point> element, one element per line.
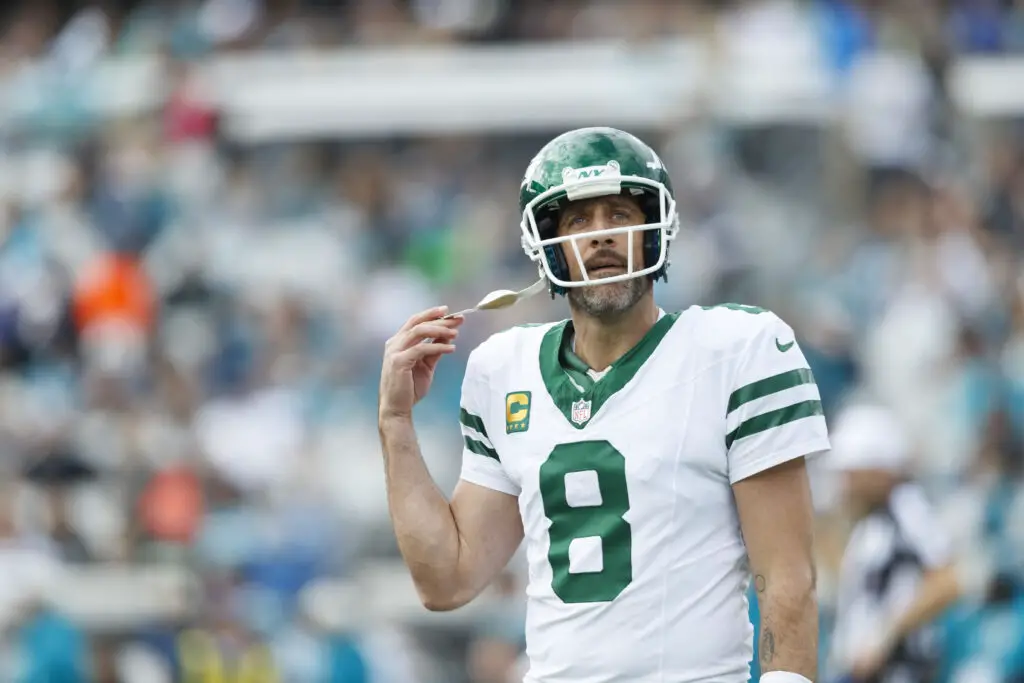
<point>897,572</point>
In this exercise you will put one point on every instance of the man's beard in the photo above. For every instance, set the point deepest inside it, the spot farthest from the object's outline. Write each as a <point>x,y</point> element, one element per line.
<point>608,301</point>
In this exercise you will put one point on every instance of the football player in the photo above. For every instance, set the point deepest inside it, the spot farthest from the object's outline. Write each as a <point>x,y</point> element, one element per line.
<point>653,461</point>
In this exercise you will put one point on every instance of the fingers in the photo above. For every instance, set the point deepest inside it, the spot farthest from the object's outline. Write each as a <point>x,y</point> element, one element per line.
<point>425,351</point>
<point>405,359</point>
<point>435,329</point>
<point>423,316</point>
<point>426,337</point>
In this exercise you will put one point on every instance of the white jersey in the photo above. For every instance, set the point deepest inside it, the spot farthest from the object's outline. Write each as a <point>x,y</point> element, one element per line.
<point>637,568</point>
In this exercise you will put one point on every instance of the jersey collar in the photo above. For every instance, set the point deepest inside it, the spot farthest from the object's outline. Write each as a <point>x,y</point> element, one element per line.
<point>568,381</point>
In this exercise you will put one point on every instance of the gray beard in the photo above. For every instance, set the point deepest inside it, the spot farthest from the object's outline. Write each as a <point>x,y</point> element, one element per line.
<point>608,301</point>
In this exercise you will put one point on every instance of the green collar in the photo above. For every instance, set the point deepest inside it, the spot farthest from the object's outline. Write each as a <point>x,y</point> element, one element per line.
<point>566,377</point>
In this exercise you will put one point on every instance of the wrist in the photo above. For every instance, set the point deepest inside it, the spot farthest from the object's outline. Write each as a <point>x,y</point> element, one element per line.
<point>783,677</point>
<point>390,416</point>
<point>393,425</point>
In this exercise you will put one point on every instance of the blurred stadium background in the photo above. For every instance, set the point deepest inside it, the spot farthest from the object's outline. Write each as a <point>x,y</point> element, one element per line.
<point>213,212</point>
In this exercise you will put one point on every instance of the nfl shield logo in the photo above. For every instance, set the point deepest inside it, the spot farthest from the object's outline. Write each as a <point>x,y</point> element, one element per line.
<point>580,411</point>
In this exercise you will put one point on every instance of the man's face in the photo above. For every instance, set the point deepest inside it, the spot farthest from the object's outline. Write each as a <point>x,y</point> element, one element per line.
<point>604,256</point>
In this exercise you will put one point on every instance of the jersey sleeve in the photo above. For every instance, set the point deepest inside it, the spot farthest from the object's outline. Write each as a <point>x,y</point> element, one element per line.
<point>481,463</point>
<point>774,408</point>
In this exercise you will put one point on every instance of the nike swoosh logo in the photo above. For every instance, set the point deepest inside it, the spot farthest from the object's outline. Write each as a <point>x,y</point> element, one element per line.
<point>783,347</point>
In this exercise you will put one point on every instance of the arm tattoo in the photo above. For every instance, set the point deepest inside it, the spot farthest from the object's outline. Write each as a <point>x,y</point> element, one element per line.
<point>767,650</point>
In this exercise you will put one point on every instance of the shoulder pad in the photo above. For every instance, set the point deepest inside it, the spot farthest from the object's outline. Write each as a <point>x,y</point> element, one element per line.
<point>728,325</point>
<point>504,347</point>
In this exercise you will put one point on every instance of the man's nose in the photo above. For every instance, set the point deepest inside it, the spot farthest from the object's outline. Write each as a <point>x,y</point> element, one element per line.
<point>601,222</point>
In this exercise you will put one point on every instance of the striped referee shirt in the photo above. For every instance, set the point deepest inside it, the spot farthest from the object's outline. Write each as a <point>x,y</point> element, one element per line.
<point>885,559</point>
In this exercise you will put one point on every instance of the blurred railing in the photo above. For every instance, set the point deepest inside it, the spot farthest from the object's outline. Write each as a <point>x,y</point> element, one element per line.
<point>350,93</point>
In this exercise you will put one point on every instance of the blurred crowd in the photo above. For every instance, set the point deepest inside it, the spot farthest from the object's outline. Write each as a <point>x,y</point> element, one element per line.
<point>191,326</point>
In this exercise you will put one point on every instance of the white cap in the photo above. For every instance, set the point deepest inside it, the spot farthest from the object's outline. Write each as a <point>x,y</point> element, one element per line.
<point>869,437</point>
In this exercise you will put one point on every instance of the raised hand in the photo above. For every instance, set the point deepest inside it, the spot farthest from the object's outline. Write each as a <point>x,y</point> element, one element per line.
<point>411,356</point>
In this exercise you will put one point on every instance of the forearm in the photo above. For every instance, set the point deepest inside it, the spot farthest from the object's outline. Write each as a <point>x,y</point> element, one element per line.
<point>428,537</point>
<point>789,622</point>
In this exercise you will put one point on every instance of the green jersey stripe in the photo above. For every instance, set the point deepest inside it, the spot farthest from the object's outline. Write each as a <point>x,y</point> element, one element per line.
<point>772,419</point>
<point>480,448</point>
<point>472,421</point>
<point>769,385</point>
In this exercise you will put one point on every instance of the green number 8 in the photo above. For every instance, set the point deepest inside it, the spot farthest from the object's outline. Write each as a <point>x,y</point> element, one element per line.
<point>605,521</point>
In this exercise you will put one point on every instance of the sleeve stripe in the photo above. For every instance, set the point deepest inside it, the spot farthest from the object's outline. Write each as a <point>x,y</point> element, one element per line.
<point>472,421</point>
<point>480,448</point>
<point>470,433</point>
<point>769,385</point>
<point>772,419</point>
